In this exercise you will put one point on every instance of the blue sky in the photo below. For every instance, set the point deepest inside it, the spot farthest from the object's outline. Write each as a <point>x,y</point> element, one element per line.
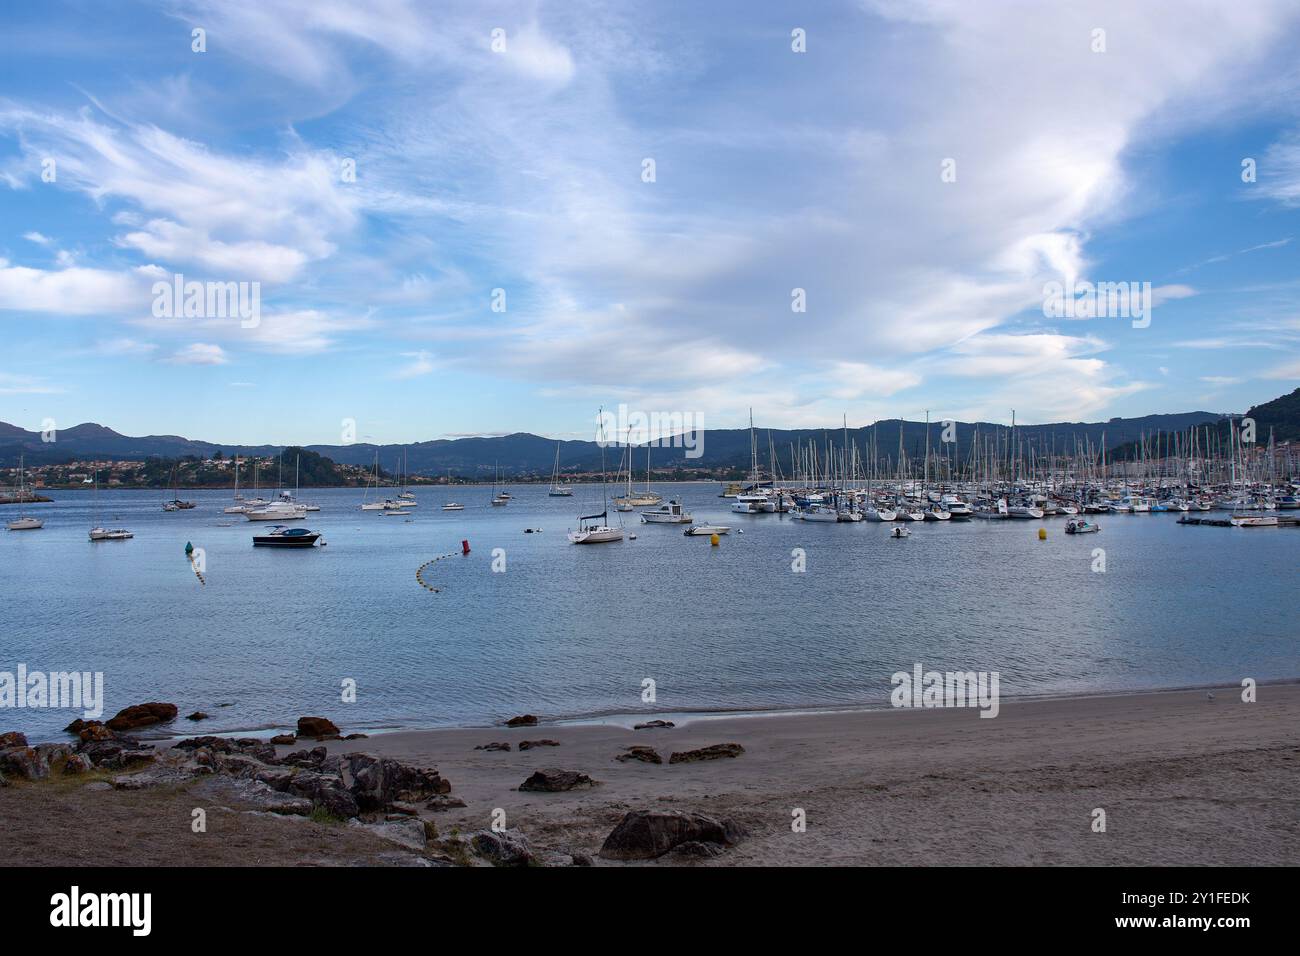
<point>521,169</point>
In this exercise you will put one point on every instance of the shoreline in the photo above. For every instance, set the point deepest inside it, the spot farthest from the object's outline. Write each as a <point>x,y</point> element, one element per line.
<point>684,718</point>
<point>1183,777</point>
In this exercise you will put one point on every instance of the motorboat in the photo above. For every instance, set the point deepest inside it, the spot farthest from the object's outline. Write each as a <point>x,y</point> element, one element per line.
<point>1081,526</point>
<point>453,506</point>
<point>670,513</point>
<point>705,530</point>
<point>1253,521</point>
<point>285,537</point>
<point>900,532</point>
<point>277,511</point>
<point>110,534</point>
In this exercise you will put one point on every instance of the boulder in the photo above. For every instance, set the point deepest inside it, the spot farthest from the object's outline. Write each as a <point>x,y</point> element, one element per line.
<point>643,754</point>
<point>495,745</point>
<point>711,752</point>
<point>506,848</point>
<point>284,740</point>
<point>197,715</point>
<point>653,725</point>
<point>376,782</point>
<point>76,764</point>
<point>647,834</point>
<point>316,727</point>
<point>12,739</point>
<point>77,726</point>
<point>526,720</point>
<point>530,744</point>
<point>142,715</point>
<point>96,731</point>
<point>555,781</point>
<point>26,762</point>
<point>356,737</point>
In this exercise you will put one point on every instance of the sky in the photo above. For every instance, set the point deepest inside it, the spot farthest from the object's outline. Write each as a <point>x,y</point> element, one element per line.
<point>482,217</point>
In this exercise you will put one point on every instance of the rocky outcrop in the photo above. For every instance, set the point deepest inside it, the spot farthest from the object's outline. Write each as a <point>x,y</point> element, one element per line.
<point>653,725</point>
<point>530,744</point>
<point>495,745</point>
<point>441,801</point>
<point>503,848</point>
<point>316,727</point>
<point>25,762</point>
<point>525,720</point>
<point>12,739</point>
<point>647,834</point>
<point>643,754</point>
<point>197,715</point>
<point>376,782</point>
<point>711,752</point>
<point>556,781</point>
<point>142,715</point>
<point>284,740</point>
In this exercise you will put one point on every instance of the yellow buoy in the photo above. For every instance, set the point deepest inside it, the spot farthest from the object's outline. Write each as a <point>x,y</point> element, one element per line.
<point>713,540</point>
<point>1042,534</point>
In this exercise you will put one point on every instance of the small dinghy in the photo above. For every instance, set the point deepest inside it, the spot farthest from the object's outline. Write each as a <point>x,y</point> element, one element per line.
<point>900,533</point>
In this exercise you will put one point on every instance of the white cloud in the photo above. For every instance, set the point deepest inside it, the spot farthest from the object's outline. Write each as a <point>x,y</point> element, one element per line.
<point>74,290</point>
<point>421,364</point>
<point>200,353</point>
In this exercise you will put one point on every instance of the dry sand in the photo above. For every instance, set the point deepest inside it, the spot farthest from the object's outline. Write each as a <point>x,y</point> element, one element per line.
<point>1182,779</point>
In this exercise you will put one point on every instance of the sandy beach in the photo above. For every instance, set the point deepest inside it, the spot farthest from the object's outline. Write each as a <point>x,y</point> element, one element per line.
<point>1182,778</point>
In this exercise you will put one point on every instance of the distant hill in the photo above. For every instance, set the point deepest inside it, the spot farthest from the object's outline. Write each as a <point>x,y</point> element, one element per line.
<point>1279,418</point>
<point>526,454</point>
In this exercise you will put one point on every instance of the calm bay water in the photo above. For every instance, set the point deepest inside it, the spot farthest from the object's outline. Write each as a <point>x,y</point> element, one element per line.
<point>571,631</point>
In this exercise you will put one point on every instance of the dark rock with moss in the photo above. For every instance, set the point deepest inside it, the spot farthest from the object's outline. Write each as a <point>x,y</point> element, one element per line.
<point>524,720</point>
<point>316,727</point>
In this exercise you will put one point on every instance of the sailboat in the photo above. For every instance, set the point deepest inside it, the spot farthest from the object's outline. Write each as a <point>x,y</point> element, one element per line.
<point>498,498</point>
<point>638,498</point>
<point>597,533</point>
<point>407,497</point>
<point>176,504</point>
<point>99,532</point>
<point>23,522</point>
<point>558,490</point>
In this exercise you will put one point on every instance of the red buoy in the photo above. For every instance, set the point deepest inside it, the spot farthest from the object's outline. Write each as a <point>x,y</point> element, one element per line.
<point>464,547</point>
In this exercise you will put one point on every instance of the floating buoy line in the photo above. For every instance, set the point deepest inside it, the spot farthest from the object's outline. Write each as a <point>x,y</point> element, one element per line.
<point>419,572</point>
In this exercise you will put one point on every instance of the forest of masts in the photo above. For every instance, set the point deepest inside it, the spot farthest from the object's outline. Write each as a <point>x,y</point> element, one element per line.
<point>1198,457</point>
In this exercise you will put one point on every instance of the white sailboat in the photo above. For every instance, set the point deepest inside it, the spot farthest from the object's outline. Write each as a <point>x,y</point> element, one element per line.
<point>601,533</point>
<point>23,522</point>
<point>99,532</point>
<point>558,489</point>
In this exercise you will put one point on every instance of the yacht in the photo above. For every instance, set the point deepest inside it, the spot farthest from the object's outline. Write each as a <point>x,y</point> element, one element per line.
<point>596,533</point>
<point>670,513</point>
<point>100,533</point>
<point>558,488</point>
<point>453,506</point>
<point>278,511</point>
<point>1253,521</point>
<point>23,522</point>
<point>285,537</point>
<point>705,530</point>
